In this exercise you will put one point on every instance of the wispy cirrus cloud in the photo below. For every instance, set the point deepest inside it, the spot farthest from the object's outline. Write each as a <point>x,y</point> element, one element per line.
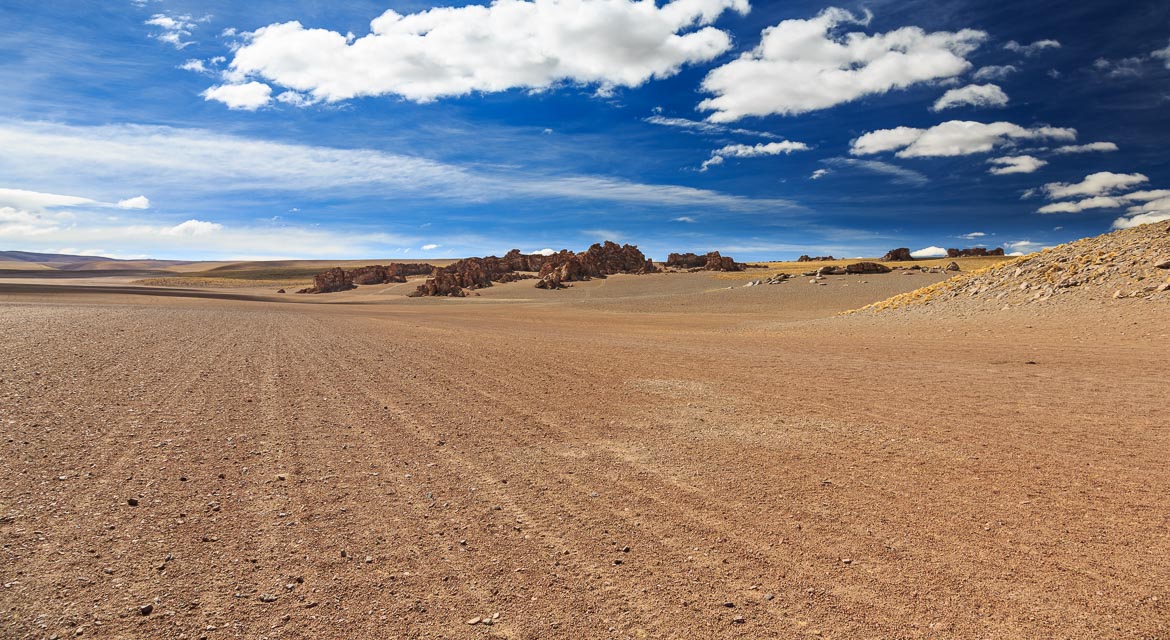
<point>786,147</point>
<point>195,160</point>
<point>897,175</point>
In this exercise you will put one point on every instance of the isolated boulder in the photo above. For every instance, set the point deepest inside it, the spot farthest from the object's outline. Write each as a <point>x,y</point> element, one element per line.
<point>867,267</point>
<point>901,254</point>
<point>831,271</point>
<point>952,266</point>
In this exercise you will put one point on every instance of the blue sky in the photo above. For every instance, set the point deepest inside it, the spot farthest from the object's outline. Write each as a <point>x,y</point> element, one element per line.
<point>204,130</point>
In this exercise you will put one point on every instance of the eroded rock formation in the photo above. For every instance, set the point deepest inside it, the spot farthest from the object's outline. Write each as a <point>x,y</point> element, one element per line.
<point>901,254</point>
<point>815,258</point>
<point>709,262</point>
<point>338,279</point>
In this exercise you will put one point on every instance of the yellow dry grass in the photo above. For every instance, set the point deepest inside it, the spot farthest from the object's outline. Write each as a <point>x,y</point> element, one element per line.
<point>930,292</point>
<point>20,265</point>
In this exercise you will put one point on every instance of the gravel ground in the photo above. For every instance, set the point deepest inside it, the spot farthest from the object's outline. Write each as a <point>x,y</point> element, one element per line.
<point>623,461</point>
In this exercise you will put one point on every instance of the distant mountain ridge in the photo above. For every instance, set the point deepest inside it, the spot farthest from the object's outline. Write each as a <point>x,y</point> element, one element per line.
<point>29,256</point>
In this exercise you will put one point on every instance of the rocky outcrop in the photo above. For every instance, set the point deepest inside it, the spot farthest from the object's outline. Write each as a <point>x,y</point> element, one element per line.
<point>815,258</point>
<point>709,262</point>
<point>830,271</point>
<point>598,261</point>
<point>951,266</point>
<point>441,283</point>
<point>338,279</point>
<point>901,254</point>
<point>974,252</point>
<point>867,267</point>
<point>333,280</point>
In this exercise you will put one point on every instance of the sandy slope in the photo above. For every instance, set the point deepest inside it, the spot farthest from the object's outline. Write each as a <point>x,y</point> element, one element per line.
<point>618,461</point>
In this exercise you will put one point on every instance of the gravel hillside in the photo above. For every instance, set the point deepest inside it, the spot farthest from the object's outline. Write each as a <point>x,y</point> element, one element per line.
<point>1131,263</point>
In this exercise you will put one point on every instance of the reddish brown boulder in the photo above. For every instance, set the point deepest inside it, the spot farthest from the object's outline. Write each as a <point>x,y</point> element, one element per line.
<point>867,267</point>
<point>901,254</point>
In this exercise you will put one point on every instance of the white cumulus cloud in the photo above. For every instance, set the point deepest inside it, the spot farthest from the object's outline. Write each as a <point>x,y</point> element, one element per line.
<point>952,138</point>
<point>805,65</point>
<point>1129,222</point>
<point>1077,206</point>
<point>1015,164</point>
<point>430,247</point>
<point>247,96</point>
<point>752,151</point>
<point>1096,184</point>
<point>975,95</point>
<point>454,51</point>
<point>137,202</point>
<point>929,252</point>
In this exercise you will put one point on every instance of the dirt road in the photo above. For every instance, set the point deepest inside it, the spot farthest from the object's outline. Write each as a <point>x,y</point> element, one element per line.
<point>605,468</point>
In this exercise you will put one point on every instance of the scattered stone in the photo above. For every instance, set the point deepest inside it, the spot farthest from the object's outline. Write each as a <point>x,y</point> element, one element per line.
<point>951,266</point>
<point>474,621</point>
<point>267,597</point>
<point>146,609</point>
<point>738,620</point>
<point>132,502</point>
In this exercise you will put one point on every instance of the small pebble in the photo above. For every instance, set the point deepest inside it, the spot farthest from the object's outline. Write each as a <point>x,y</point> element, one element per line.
<point>132,502</point>
<point>146,609</point>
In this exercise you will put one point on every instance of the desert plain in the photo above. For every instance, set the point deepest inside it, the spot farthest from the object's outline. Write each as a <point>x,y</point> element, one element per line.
<point>642,456</point>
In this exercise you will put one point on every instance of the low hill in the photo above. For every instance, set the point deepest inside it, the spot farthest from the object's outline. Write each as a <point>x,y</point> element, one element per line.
<point>1131,263</point>
<point>44,258</point>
